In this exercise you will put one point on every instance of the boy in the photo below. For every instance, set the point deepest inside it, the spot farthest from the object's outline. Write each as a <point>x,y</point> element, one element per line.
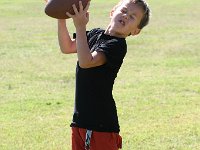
<point>100,55</point>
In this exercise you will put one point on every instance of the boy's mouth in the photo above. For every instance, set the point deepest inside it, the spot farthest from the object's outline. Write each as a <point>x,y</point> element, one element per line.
<point>122,22</point>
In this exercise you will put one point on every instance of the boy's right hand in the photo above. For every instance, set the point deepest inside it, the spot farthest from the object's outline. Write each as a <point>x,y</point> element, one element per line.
<point>80,17</point>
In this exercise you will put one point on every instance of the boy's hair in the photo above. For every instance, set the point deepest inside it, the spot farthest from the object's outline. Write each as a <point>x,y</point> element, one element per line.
<point>143,4</point>
<point>145,19</point>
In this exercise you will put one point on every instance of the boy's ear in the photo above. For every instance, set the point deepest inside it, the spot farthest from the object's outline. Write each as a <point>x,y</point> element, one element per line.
<point>136,32</point>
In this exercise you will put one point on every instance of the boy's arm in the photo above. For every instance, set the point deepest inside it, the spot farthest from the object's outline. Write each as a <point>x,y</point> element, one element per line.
<point>67,45</point>
<point>85,58</point>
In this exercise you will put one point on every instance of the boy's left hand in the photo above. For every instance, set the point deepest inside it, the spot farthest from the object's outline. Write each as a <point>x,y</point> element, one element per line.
<point>80,17</point>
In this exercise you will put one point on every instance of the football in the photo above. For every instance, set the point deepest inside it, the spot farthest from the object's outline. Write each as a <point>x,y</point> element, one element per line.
<point>58,8</point>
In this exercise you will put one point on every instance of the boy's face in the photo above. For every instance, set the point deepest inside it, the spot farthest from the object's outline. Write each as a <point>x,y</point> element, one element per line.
<point>125,19</point>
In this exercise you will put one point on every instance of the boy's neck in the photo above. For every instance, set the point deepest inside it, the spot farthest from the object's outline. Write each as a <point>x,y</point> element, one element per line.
<point>110,32</point>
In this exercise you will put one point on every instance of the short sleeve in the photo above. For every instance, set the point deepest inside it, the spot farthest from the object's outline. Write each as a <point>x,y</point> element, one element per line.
<point>115,51</point>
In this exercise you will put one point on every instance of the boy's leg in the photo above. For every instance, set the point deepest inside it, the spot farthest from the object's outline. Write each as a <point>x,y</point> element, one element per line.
<point>78,141</point>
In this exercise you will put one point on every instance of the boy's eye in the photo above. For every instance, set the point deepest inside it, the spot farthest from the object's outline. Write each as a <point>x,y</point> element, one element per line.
<point>123,11</point>
<point>132,17</point>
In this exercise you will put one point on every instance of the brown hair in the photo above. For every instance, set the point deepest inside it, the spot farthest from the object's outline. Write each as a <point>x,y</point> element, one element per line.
<point>145,19</point>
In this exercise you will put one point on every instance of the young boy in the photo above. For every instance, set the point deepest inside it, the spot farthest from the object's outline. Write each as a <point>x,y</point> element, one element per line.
<point>100,55</point>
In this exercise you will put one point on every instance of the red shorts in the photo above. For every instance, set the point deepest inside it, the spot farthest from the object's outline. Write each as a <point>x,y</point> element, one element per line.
<point>99,140</point>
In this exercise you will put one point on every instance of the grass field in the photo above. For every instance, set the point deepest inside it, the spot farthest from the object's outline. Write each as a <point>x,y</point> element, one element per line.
<point>157,90</point>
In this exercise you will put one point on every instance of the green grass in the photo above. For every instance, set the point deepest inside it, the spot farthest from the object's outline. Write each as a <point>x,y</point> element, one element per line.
<point>157,90</point>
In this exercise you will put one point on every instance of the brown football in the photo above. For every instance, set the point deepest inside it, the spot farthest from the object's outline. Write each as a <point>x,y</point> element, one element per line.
<point>58,8</point>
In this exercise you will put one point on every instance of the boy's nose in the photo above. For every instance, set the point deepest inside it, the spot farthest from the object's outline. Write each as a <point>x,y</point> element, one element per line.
<point>125,16</point>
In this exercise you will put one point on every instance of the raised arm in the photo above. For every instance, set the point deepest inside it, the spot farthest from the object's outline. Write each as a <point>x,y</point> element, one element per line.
<point>85,58</point>
<point>67,45</point>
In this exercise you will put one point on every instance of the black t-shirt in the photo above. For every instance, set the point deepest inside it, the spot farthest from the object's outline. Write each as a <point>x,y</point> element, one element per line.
<point>95,107</point>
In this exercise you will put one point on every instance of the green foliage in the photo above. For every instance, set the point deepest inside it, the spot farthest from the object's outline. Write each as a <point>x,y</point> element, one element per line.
<point>157,91</point>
